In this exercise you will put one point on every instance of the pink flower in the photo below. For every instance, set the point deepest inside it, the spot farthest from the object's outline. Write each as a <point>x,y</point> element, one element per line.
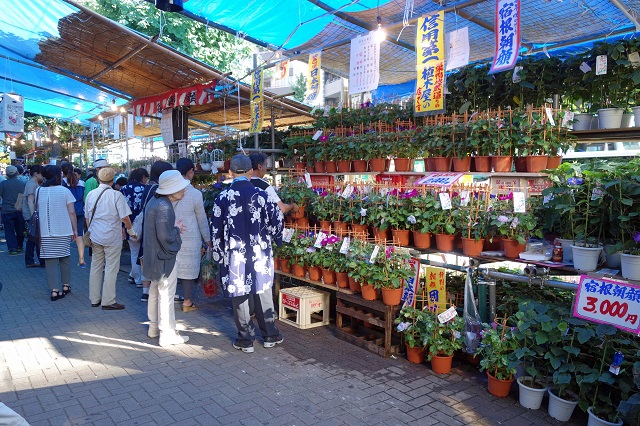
<point>323,138</point>
<point>506,197</point>
<point>389,251</point>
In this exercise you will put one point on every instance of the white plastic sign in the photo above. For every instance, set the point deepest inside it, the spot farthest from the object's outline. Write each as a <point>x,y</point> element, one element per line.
<point>287,234</point>
<point>347,191</point>
<point>374,254</point>
<point>344,248</point>
<point>519,205</point>
<point>568,116</point>
<point>445,200</point>
<point>549,113</point>
<point>584,67</point>
<point>448,315</point>
<point>317,135</point>
<point>601,65</point>
<point>321,236</point>
<point>307,179</point>
<point>464,198</point>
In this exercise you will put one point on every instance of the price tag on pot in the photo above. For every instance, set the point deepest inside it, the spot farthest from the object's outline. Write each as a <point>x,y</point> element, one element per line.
<point>519,205</point>
<point>448,315</point>
<point>374,254</point>
<point>347,192</point>
<point>344,248</point>
<point>287,234</point>
<point>549,113</point>
<point>464,198</point>
<point>321,236</point>
<point>317,135</point>
<point>601,64</point>
<point>307,179</point>
<point>584,67</point>
<point>445,200</point>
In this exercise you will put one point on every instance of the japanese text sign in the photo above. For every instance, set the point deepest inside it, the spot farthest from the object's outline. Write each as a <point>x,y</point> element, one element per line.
<point>436,288</point>
<point>608,302</point>
<point>507,28</point>
<point>439,179</point>
<point>200,94</point>
<point>364,64</point>
<point>313,79</point>
<point>411,285</point>
<point>430,55</point>
<point>257,104</point>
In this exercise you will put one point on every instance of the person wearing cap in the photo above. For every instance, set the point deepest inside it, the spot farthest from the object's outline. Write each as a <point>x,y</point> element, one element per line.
<point>92,182</point>
<point>259,165</point>
<point>244,225</point>
<point>104,210</point>
<point>12,220</point>
<point>161,245</point>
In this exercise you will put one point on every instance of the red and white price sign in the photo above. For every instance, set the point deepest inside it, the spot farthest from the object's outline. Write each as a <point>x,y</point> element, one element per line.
<point>439,179</point>
<point>608,302</point>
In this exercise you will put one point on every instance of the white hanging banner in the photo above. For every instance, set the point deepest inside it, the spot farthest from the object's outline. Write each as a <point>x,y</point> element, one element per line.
<point>507,29</point>
<point>457,49</point>
<point>364,64</point>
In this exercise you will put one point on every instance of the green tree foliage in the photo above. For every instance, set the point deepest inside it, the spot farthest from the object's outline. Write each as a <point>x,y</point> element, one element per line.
<point>299,87</point>
<point>214,47</point>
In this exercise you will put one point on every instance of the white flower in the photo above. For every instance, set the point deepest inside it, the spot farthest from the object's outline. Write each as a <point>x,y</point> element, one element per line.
<point>411,219</point>
<point>363,212</point>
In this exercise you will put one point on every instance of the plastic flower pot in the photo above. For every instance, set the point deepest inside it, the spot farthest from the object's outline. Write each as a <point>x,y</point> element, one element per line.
<point>299,271</point>
<point>613,259</point>
<point>536,163</point>
<point>421,240</point>
<point>380,235</point>
<point>344,166</point>
<point>582,121</point>
<point>342,278</point>
<point>299,214</point>
<point>441,364</point>
<point>403,164</point>
<point>285,265</point>
<point>553,162</point>
<point>630,265</point>
<point>445,242</point>
<point>359,166</point>
<point>597,421</point>
<point>567,251</point>
<point>471,247</point>
<point>369,292</point>
<point>340,228</point>
<point>400,237</point>
<point>315,273</point>
<point>610,118</point>
<point>328,276</point>
<point>415,355</point>
<point>560,409</point>
<point>461,164</point>
<point>482,163</point>
<point>391,296</point>
<point>512,248</point>
<point>354,285</point>
<point>377,165</point>
<point>497,387</point>
<point>530,397</point>
<point>585,258</point>
<point>325,226</point>
<point>330,167</point>
<point>318,167</point>
<point>501,163</point>
<point>441,164</point>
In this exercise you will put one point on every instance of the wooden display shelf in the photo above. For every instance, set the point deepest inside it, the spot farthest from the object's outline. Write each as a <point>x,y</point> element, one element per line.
<point>370,324</point>
<point>489,174</point>
<point>626,133</point>
<point>280,274</point>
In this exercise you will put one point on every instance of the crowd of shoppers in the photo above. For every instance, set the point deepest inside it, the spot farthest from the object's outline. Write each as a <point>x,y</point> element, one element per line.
<point>169,214</point>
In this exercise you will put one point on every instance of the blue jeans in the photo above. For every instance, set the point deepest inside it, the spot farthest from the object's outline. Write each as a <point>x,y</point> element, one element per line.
<point>13,230</point>
<point>29,258</point>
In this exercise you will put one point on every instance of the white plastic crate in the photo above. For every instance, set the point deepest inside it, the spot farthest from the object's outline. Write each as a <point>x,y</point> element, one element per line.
<point>304,307</point>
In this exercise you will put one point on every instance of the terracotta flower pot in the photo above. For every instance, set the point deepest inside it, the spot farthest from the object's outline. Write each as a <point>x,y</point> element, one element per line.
<point>299,213</point>
<point>441,164</point>
<point>354,285</point>
<point>360,230</point>
<point>553,162</point>
<point>461,164</point>
<point>400,237</point>
<point>494,245</point>
<point>344,166</point>
<point>482,163</point>
<point>501,163</point>
<point>359,166</point>
<point>300,166</point>
<point>441,364</point>
<point>328,276</point>
<point>378,165</point>
<point>315,273</point>
<point>521,164</point>
<point>535,163</point>
<point>421,241</point>
<point>285,265</point>
<point>303,222</point>
<point>497,387</point>
<point>310,168</point>
<point>276,263</point>
<point>318,167</point>
<point>330,167</point>
<point>299,271</point>
<point>471,247</point>
<point>342,278</point>
<point>392,296</point>
<point>428,165</point>
<point>380,235</point>
<point>415,355</point>
<point>368,292</point>
<point>325,226</point>
<point>445,242</point>
<point>340,228</point>
<point>512,248</point>
<point>403,164</point>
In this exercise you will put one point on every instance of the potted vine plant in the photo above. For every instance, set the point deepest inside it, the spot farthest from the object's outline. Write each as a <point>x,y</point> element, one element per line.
<point>442,340</point>
<point>399,215</point>
<point>412,323</point>
<point>388,272</point>
<point>497,357</point>
<point>444,225</point>
<point>423,211</point>
<point>588,221</point>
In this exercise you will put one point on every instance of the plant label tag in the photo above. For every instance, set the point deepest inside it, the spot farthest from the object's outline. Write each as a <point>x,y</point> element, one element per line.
<point>344,248</point>
<point>549,113</point>
<point>307,179</point>
<point>596,193</point>
<point>516,77</point>
<point>347,191</point>
<point>448,315</point>
<point>614,369</point>
<point>547,198</point>
<point>374,254</point>
<point>321,236</point>
<point>445,200</point>
<point>317,135</point>
<point>519,205</point>
<point>601,64</point>
<point>287,234</point>
<point>568,117</point>
<point>584,67</point>
<point>634,58</point>
<point>464,198</point>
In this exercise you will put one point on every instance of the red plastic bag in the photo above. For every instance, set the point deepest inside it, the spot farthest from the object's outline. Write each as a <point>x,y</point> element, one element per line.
<point>209,275</point>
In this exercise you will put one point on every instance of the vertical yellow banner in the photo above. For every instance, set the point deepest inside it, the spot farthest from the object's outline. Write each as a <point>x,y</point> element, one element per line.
<point>429,95</point>
<point>436,288</point>
<point>313,95</point>
<point>257,104</point>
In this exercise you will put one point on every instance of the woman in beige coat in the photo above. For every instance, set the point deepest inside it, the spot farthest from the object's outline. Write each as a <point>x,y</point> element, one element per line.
<point>191,217</point>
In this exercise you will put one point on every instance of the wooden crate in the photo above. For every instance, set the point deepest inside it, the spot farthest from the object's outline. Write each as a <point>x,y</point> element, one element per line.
<point>304,307</point>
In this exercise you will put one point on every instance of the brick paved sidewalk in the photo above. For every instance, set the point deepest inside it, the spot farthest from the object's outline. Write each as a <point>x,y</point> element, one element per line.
<point>65,363</point>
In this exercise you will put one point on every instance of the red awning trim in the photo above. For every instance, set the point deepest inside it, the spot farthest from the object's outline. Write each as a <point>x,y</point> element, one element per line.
<point>200,94</point>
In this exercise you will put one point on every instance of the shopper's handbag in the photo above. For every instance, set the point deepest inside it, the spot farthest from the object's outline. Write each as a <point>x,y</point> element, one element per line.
<point>138,222</point>
<point>208,275</point>
<point>34,223</point>
<point>86,238</point>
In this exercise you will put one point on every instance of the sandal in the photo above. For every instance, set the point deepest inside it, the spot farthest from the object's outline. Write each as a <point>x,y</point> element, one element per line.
<point>55,295</point>
<point>189,308</point>
<point>66,289</point>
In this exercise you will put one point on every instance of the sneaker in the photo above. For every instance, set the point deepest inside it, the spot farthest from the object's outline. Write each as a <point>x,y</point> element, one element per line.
<point>13,252</point>
<point>144,298</point>
<point>172,339</point>
<point>270,342</point>
<point>246,348</point>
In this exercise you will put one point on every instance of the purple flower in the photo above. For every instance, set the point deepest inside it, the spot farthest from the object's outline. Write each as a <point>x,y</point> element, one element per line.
<point>403,326</point>
<point>411,219</point>
<point>389,251</point>
<point>514,223</point>
<point>636,237</point>
<point>503,219</point>
<point>506,197</point>
<point>323,138</point>
<point>311,249</point>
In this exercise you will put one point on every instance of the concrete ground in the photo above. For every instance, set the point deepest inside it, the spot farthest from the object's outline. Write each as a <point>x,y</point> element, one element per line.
<point>66,363</point>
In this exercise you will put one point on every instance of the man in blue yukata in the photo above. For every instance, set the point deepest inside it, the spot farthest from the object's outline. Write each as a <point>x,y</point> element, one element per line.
<point>244,225</point>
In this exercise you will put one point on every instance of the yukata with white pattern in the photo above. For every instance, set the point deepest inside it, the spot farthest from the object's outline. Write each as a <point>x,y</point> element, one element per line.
<point>244,225</point>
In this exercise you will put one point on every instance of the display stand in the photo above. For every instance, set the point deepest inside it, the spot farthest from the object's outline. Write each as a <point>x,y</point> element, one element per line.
<point>370,324</point>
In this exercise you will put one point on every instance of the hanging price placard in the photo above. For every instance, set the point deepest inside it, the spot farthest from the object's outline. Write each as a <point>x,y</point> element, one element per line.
<point>519,205</point>
<point>344,248</point>
<point>464,198</point>
<point>321,236</point>
<point>287,234</point>
<point>374,254</point>
<point>347,191</point>
<point>448,315</point>
<point>445,200</point>
<point>307,179</point>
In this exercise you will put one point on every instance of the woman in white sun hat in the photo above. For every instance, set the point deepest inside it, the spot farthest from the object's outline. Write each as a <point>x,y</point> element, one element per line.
<point>161,244</point>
